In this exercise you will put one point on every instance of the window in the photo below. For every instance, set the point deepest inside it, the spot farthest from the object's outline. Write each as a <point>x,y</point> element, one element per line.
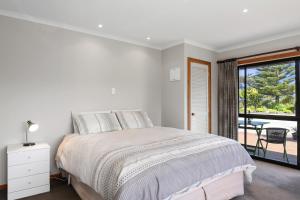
<point>270,88</point>
<point>268,94</point>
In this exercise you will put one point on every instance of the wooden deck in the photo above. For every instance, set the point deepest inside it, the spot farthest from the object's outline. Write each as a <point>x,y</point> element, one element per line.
<point>275,151</point>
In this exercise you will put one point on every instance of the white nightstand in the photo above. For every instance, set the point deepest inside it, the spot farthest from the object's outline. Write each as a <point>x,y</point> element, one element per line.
<point>27,170</point>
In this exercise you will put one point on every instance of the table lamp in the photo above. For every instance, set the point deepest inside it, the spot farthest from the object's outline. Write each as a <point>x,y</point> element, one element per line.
<point>31,127</point>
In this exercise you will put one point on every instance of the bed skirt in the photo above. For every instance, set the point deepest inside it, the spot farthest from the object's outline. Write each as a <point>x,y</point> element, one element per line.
<point>224,188</point>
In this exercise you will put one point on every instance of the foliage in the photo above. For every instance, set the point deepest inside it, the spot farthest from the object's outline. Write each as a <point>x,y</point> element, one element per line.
<point>270,89</point>
<point>254,98</point>
<point>262,109</point>
<point>275,81</point>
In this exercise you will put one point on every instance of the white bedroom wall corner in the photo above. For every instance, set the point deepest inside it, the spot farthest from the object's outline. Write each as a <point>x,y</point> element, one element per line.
<point>185,58</point>
<point>174,94</point>
<point>172,91</point>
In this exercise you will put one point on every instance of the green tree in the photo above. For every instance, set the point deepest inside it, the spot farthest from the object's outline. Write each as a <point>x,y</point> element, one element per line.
<point>275,82</point>
<point>254,98</point>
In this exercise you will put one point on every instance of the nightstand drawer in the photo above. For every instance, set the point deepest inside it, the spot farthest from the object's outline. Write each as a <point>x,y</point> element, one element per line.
<point>19,171</point>
<point>27,157</point>
<point>28,192</point>
<point>28,182</point>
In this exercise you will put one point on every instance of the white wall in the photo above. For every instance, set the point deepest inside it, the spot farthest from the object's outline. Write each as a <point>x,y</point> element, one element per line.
<point>46,72</point>
<point>174,97</point>
<point>173,92</point>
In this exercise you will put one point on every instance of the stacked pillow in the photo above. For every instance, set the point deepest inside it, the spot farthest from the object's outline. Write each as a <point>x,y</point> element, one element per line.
<point>134,119</point>
<point>95,122</point>
<point>107,121</point>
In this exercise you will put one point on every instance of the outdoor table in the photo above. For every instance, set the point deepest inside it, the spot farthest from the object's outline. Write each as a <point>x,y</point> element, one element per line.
<point>258,127</point>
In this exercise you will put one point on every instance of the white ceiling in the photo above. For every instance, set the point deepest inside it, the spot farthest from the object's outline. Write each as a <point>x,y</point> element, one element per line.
<point>213,24</point>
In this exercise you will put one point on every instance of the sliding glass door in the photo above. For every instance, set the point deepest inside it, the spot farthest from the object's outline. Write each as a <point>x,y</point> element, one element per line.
<point>269,110</point>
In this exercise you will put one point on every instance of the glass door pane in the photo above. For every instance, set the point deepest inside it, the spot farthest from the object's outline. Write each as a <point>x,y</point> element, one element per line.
<point>268,116</point>
<point>271,89</point>
<point>273,139</point>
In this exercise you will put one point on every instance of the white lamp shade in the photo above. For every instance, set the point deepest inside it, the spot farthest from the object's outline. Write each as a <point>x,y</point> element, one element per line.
<point>32,127</point>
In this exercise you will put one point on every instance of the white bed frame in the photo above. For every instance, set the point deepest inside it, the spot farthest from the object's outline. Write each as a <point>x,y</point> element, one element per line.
<point>224,188</point>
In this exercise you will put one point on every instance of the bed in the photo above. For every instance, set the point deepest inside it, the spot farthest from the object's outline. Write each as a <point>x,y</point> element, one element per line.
<point>120,155</point>
<point>154,163</point>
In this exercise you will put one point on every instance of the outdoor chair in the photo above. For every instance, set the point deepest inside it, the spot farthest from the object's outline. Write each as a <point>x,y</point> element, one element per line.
<point>276,136</point>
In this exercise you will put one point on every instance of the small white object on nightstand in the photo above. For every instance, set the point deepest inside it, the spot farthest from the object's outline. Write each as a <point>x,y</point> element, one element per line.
<point>28,170</point>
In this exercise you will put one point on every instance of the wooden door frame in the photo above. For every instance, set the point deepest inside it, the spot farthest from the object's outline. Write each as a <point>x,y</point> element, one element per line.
<point>189,62</point>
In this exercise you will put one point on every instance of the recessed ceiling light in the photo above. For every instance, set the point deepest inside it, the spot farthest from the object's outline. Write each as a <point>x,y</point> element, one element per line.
<point>148,38</point>
<point>245,10</point>
<point>100,25</point>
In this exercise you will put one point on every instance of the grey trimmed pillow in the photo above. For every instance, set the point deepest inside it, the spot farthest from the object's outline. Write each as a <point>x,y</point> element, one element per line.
<point>87,123</point>
<point>134,119</point>
<point>96,122</point>
<point>108,122</point>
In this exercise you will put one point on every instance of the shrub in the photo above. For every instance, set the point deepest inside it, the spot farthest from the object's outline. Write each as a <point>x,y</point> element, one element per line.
<point>272,111</point>
<point>251,109</point>
<point>287,111</point>
<point>280,107</point>
<point>261,109</point>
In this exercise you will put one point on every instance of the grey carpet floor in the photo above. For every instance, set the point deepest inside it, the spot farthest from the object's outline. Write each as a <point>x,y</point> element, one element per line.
<point>270,182</point>
<point>273,182</point>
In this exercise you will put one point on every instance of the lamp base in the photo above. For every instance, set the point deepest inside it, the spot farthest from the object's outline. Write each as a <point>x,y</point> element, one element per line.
<point>28,144</point>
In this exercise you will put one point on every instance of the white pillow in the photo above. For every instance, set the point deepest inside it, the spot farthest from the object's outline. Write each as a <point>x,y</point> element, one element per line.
<point>134,119</point>
<point>87,122</point>
<point>108,122</point>
<point>75,127</point>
